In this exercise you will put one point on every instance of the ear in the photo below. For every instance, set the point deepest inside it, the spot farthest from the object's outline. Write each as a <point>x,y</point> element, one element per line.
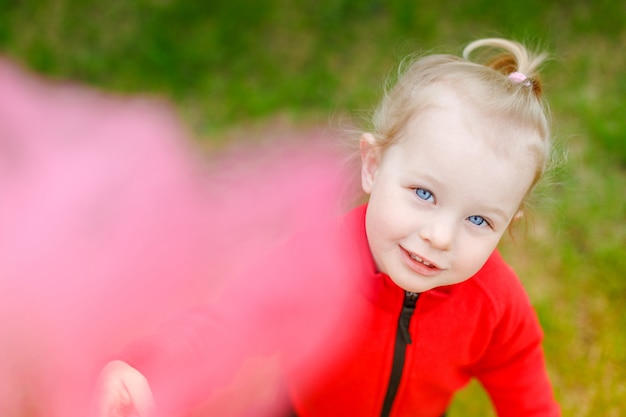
<point>518,215</point>
<point>370,161</point>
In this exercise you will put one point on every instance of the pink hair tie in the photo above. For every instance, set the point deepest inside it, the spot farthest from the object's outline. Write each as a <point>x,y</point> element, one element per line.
<point>518,77</point>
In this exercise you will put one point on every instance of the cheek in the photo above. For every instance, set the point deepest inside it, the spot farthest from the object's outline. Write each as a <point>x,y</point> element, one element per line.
<point>386,221</point>
<point>375,223</point>
<point>473,255</point>
<point>381,228</point>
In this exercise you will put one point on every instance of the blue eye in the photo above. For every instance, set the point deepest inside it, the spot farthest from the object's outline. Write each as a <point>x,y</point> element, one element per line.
<point>478,220</point>
<point>424,194</point>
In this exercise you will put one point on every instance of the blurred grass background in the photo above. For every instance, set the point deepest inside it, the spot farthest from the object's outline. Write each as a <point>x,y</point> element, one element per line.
<point>238,65</point>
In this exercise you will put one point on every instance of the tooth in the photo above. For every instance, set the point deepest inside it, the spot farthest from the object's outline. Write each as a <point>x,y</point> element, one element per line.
<point>418,259</point>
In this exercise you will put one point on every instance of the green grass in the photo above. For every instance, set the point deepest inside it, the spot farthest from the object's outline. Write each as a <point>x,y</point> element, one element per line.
<point>227,64</point>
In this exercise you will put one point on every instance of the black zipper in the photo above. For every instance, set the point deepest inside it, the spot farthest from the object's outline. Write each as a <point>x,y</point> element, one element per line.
<point>403,338</point>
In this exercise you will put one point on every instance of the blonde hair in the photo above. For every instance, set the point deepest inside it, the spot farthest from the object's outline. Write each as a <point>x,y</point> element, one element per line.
<point>485,83</point>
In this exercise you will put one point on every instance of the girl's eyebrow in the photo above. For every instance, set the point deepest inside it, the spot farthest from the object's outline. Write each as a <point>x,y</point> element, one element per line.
<point>494,210</point>
<point>424,176</point>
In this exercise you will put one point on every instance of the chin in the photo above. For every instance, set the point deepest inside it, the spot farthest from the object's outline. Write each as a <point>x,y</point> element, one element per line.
<point>416,287</point>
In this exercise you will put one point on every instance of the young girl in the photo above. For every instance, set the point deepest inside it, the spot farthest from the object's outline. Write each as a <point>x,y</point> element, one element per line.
<point>456,148</point>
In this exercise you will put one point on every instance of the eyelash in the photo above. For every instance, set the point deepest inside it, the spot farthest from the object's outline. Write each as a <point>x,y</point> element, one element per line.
<point>427,195</point>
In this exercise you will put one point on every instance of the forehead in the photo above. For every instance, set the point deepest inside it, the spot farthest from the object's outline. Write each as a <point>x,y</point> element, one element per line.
<point>452,146</point>
<point>451,114</point>
<point>451,141</point>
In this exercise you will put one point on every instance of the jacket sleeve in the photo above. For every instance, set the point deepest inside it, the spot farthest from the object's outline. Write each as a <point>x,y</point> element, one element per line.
<point>512,369</point>
<point>286,303</point>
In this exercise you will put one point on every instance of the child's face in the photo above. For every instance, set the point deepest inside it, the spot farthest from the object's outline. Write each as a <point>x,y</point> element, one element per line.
<point>440,198</point>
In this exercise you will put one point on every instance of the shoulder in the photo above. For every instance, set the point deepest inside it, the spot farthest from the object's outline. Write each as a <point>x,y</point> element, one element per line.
<point>497,285</point>
<point>344,232</point>
<point>487,316</point>
<point>497,280</point>
<point>330,247</point>
<point>342,238</point>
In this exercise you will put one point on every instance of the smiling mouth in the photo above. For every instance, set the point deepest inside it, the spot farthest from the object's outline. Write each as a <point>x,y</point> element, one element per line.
<point>422,261</point>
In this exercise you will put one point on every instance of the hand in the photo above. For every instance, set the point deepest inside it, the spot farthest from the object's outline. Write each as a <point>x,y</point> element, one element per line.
<point>123,391</point>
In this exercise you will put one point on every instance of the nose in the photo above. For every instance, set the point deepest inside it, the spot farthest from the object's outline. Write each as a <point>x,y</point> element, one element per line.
<point>438,232</point>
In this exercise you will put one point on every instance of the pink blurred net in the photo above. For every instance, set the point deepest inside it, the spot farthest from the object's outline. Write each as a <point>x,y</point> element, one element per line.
<point>113,223</point>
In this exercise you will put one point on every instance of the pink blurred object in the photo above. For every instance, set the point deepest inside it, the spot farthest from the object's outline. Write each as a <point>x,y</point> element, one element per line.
<point>113,222</point>
<point>103,226</point>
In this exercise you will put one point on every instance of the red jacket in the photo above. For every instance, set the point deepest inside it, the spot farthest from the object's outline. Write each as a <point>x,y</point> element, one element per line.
<point>484,327</point>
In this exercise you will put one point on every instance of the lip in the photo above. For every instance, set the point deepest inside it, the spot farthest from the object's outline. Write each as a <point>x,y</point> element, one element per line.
<point>417,266</point>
